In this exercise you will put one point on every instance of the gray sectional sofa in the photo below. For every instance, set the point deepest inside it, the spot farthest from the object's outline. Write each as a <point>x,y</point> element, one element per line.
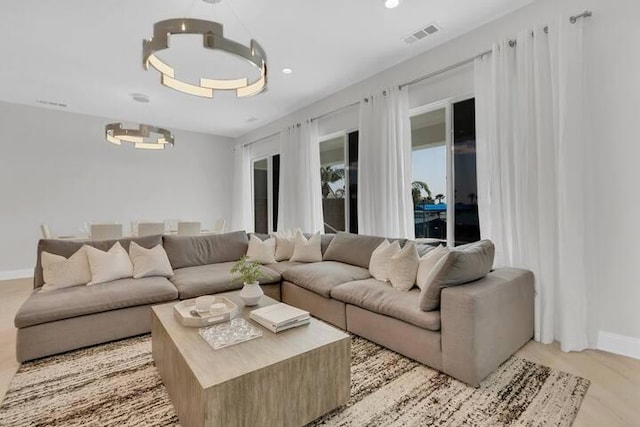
<point>478,325</point>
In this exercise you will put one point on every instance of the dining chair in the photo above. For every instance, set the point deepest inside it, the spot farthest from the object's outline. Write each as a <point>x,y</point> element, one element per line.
<point>106,231</point>
<point>46,233</point>
<point>218,227</point>
<point>171,225</point>
<point>188,228</point>
<point>150,228</point>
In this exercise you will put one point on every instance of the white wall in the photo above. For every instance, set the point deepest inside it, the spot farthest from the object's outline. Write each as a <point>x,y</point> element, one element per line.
<point>56,168</point>
<point>612,44</point>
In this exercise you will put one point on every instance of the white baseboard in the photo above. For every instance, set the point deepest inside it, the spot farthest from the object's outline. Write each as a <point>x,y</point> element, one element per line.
<point>619,344</point>
<point>16,274</point>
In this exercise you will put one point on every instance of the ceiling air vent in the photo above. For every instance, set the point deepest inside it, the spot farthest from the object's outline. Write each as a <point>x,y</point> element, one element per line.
<point>51,103</point>
<point>421,34</point>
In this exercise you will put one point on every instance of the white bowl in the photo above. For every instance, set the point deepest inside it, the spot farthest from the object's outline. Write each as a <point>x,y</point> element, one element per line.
<point>203,303</point>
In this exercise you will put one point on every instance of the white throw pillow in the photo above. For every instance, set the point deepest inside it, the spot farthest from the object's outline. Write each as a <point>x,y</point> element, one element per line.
<point>307,250</point>
<point>260,251</point>
<point>404,268</point>
<point>60,272</point>
<point>285,242</point>
<point>427,262</point>
<point>108,266</point>
<point>381,259</point>
<point>149,262</point>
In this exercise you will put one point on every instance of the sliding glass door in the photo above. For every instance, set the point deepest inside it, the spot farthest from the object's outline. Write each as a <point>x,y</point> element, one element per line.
<point>444,183</point>
<point>266,186</point>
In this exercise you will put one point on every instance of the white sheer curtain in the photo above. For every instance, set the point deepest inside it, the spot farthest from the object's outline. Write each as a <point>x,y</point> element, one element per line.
<point>242,206</point>
<point>531,176</point>
<point>300,200</point>
<point>385,207</point>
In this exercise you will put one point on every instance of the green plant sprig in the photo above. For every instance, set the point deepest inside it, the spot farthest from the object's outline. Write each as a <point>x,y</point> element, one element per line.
<point>247,271</point>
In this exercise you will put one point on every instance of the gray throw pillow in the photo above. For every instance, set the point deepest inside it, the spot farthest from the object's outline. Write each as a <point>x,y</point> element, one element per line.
<point>470,262</point>
<point>354,249</point>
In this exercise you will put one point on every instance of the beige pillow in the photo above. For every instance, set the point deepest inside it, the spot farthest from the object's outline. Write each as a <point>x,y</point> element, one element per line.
<point>381,259</point>
<point>108,266</point>
<point>427,263</point>
<point>149,262</point>
<point>60,272</point>
<point>430,293</point>
<point>307,250</point>
<point>285,242</point>
<point>260,251</point>
<point>404,268</point>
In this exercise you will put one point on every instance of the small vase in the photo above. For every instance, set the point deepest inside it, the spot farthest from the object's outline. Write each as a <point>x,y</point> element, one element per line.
<point>251,293</point>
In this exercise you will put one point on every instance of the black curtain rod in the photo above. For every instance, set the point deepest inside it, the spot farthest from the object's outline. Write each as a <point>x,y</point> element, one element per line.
<point>573,19</point>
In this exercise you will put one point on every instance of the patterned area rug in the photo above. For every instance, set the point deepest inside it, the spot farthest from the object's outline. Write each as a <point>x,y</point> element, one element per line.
<point>117,384</point>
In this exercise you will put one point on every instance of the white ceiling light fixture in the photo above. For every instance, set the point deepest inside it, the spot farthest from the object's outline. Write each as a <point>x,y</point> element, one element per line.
<point>390,4</point>
<point>140,138</point>
<point>213,38</point>
<point>287,70</point>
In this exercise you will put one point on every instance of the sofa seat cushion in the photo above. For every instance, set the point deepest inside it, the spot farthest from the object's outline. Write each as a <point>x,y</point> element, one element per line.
<point>212,279</point>
<point>283,266</point>
<point>44,307</point>
<point>321,277</point>
<point>382,298</point>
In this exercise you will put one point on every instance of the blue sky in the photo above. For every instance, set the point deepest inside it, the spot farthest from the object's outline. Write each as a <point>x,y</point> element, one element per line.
<point>429,165</point>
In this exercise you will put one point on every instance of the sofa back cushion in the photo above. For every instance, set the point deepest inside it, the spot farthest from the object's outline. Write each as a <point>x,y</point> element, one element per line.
<point>190,251</point>
<point>354,249</point>
<point>325,239</point>
<point>66,248</point>
<point>470,262</point>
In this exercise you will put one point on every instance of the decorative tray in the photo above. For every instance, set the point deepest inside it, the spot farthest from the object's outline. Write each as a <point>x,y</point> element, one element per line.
<point>186,313</point>
<point>228,334</point>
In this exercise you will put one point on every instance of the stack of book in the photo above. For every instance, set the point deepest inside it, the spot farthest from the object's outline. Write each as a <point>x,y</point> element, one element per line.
<point>279,317</point>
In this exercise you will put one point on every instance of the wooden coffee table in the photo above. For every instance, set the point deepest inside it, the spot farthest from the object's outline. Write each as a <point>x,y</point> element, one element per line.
<point>284,379</point>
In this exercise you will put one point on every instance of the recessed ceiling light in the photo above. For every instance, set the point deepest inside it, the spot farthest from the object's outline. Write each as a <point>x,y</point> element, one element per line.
<point>390,4</point>
<point>140,97</point>
<point>287,71</point>
<point>212,1</point>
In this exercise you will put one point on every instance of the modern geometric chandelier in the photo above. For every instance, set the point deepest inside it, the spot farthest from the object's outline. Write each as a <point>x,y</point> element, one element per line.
<point>140,138</point>
<point>213,38</point>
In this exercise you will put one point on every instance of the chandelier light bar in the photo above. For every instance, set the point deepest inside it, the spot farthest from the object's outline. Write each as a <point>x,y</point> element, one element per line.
<point>140,138</point>
<point>212,38</point>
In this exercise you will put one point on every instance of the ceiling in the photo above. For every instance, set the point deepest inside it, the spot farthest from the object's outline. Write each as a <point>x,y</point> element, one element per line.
<point>87,54</point>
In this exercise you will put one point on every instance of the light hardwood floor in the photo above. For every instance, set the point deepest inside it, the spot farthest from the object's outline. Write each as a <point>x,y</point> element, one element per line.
<point>612,400</point>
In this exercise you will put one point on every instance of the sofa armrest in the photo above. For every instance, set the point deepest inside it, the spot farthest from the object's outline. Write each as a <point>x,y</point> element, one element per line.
<point>486,321</point>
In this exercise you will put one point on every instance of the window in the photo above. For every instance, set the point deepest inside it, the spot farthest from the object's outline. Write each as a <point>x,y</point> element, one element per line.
<point>339,180</point>
<point>266,186</point>
<point>333,181</point>
<point>352,150</point>
<point>261,196</point>
<point>444,183</point>
<point>429,182</point>
<point>467,224</point>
